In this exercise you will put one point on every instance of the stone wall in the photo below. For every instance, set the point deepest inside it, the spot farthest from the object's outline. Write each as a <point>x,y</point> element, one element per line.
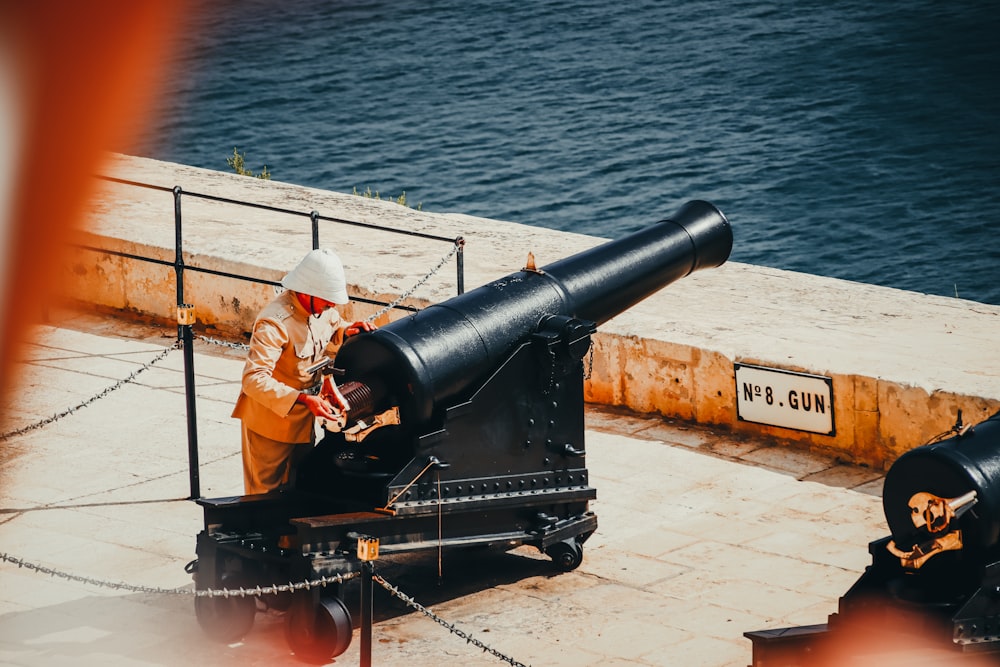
<point>901,364</point>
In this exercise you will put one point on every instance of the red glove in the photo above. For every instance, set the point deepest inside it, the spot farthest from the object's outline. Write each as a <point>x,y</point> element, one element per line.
<point>318,406</point>
<point>331,394</point>
<point>358,327</point>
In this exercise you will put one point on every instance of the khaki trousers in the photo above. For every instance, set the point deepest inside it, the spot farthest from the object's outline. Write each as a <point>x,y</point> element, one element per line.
<point>268,463</point>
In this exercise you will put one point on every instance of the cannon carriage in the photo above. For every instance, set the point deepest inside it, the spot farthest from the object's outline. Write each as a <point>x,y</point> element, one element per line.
<point>465,428</point>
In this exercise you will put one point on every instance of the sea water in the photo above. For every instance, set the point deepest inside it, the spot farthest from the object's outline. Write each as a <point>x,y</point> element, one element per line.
<point>843,138</point>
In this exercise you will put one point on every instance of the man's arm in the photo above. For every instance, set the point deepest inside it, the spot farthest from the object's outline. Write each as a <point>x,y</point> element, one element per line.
<point>266,346</point>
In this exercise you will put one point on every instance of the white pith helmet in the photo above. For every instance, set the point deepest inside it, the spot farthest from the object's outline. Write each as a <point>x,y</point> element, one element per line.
<point>321,274</point>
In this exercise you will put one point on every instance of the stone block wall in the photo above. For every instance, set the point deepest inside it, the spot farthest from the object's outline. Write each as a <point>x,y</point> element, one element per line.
<point>901,364</point>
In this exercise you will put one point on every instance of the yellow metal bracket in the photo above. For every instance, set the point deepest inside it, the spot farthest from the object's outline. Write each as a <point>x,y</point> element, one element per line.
<point>185,314</point>
<point>367,548</point>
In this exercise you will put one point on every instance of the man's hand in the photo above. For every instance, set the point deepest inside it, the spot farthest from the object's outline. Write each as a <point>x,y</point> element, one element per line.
<point>318,406</point>
<point>358,327</point>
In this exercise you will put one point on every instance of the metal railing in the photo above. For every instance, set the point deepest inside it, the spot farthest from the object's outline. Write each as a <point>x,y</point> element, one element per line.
<point>314,219</point>
<point>185,336</point>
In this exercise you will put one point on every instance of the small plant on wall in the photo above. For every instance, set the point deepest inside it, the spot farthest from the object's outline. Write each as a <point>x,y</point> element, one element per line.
<point>368,194</point>
<point>238,163</point>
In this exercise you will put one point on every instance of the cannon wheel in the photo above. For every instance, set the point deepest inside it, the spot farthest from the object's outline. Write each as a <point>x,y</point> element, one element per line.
<point>226,619</point>
<point>567,555</point>
<point>324,635</point>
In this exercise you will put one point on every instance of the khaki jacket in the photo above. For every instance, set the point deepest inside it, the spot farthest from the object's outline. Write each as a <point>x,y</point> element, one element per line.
<point>286,340</point>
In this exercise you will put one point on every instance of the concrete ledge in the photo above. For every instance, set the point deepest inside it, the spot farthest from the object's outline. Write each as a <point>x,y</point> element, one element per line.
<point>902,364</point>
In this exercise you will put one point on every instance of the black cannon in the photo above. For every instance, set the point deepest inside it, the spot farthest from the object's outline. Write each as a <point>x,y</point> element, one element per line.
<point>933,588</point>
<point>464,427</point>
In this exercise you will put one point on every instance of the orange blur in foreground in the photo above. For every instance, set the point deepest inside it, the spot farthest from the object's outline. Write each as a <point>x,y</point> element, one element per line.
<point>867,641</point>
<point>83,76</point>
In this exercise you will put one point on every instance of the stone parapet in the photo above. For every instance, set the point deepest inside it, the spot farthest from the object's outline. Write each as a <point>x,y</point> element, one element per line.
<point>900,364</point>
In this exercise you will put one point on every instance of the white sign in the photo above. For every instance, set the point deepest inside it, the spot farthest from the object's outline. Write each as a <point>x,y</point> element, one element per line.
<point>784,398</point>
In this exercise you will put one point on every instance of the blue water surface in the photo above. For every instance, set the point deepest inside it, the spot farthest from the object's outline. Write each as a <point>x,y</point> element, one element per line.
<point>843,138</point>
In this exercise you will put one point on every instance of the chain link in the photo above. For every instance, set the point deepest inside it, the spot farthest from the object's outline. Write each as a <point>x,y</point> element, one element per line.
<point>469,639</point>
<point>105,392</point>
<point>223,343</point>
<point>405,295</point>
<point>204,592</point>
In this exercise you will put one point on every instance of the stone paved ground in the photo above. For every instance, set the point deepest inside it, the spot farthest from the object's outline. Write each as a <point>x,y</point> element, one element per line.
<point>702,536</point>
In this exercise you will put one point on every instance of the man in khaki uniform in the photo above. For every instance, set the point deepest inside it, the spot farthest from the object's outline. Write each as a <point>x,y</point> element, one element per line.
<point>278,404</point>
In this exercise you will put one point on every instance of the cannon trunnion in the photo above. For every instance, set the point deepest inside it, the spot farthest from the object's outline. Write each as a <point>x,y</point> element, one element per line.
<point>932,592</point>
<point>465,428</point>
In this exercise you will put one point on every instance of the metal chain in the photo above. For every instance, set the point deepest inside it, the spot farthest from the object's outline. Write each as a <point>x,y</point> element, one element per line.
<point>405,295</point>
<point>469,639</point>
<point>259,591</point>
<point>552,373</point>
<point>205,592</point>
<point>105,392</point>
<point>371,318</point>
<point>223,343</point>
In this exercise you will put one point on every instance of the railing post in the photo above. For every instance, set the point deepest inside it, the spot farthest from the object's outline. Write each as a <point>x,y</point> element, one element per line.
<point>460,263</point>
<point>314,216</point>
<point>178,254</point>
<point>367,554</point>
<point>367,576</point>
<point>185,321</point>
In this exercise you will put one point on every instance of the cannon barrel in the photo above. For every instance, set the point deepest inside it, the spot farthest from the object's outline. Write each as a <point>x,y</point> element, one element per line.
<point>446,349</point>
<point>949,469</point>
